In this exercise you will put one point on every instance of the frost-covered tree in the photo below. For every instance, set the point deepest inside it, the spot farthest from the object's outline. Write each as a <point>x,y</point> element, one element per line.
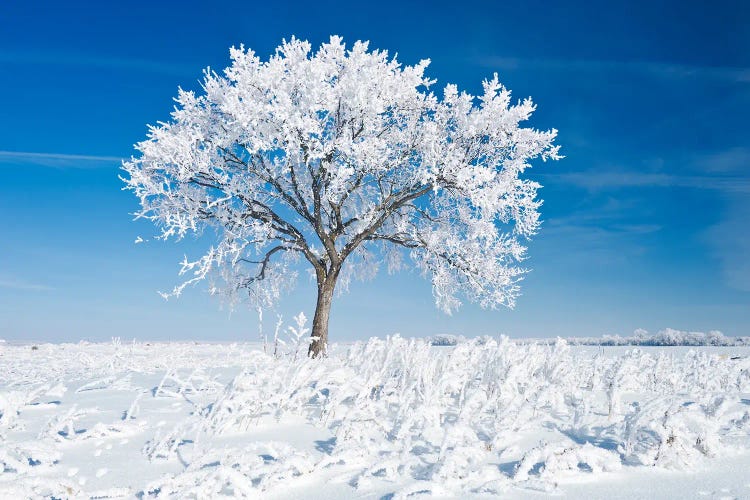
<point>342,159</point>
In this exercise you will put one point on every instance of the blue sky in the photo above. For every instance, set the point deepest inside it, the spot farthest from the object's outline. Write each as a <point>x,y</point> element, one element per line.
<point>646,220</point>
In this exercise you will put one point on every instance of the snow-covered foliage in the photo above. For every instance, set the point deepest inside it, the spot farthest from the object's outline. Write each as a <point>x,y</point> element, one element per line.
<point>336,156</point>
<point>393,415</point>
<point>666,337</point>
<point>446,340</point>
<point>450,419</point>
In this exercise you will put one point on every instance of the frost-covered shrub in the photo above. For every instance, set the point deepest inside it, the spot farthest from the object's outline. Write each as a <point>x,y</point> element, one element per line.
<point>444,421</point>
<point>444,340</point>
<point>440,416</point>
<point>546,461</point>
<point>233,472</point>
<point>666,337</point>
<point>21,466</point>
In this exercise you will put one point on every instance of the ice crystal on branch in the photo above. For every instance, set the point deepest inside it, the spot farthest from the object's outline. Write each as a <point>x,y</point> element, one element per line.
<point>334,157</point>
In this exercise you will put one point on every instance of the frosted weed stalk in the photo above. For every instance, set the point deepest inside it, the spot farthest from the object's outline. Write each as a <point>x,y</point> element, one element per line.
<point>482,416</point>
<point>461,419</point>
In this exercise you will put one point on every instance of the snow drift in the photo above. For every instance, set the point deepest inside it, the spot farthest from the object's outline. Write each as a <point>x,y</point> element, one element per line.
<point>483,417</point>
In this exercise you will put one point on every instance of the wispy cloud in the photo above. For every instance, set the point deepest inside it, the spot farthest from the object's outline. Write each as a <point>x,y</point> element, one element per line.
<point>730,241</point>
<point>618,227</point>
<point>726,171</point>
<point>648,68</point>
<point>20,285</point>
<point>562,244</point>
<point>595,180</point>
<point>57,160</point>
<point>732,160</point>
<point>96,61</point>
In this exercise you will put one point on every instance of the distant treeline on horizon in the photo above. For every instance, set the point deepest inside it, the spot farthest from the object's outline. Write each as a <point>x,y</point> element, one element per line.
<point>666,337</point>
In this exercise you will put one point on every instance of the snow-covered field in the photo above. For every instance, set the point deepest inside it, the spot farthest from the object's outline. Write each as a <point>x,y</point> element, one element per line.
<point>388,418</point>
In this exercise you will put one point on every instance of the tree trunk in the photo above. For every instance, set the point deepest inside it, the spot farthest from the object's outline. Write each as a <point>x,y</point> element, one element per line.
<point>319,344</point>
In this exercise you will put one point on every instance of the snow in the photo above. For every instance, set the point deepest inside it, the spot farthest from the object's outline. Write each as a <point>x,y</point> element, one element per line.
<point>666,337</point>
<point>389,417</point>
<point>640,337</point>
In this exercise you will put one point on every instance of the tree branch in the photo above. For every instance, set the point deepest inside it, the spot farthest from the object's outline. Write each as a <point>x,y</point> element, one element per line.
<point>263,264</point>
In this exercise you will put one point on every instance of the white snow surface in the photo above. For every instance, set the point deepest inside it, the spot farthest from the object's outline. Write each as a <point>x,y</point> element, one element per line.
<point>387,418</point>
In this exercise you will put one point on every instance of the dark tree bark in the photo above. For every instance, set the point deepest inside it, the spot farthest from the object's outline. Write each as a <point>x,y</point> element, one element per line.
<point>326,287</point>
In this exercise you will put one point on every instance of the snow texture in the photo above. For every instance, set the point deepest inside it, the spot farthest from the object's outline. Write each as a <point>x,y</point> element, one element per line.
<point>666,337</point>
<point>385,417</point>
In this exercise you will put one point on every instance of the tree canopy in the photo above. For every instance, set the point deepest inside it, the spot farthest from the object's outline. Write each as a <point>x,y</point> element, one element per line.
<point>343,159</point>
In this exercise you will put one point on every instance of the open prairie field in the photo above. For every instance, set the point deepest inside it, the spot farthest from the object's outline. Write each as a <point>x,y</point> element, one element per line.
<point>392,418</point>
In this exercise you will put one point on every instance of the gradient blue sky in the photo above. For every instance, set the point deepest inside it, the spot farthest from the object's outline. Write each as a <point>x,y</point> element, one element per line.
<point>646,220</point>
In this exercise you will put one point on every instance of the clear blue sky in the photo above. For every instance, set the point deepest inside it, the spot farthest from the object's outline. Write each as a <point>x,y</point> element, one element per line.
<point>647,220</point>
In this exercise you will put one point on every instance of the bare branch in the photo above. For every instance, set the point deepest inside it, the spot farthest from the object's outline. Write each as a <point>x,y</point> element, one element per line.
<point>263,264</point>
